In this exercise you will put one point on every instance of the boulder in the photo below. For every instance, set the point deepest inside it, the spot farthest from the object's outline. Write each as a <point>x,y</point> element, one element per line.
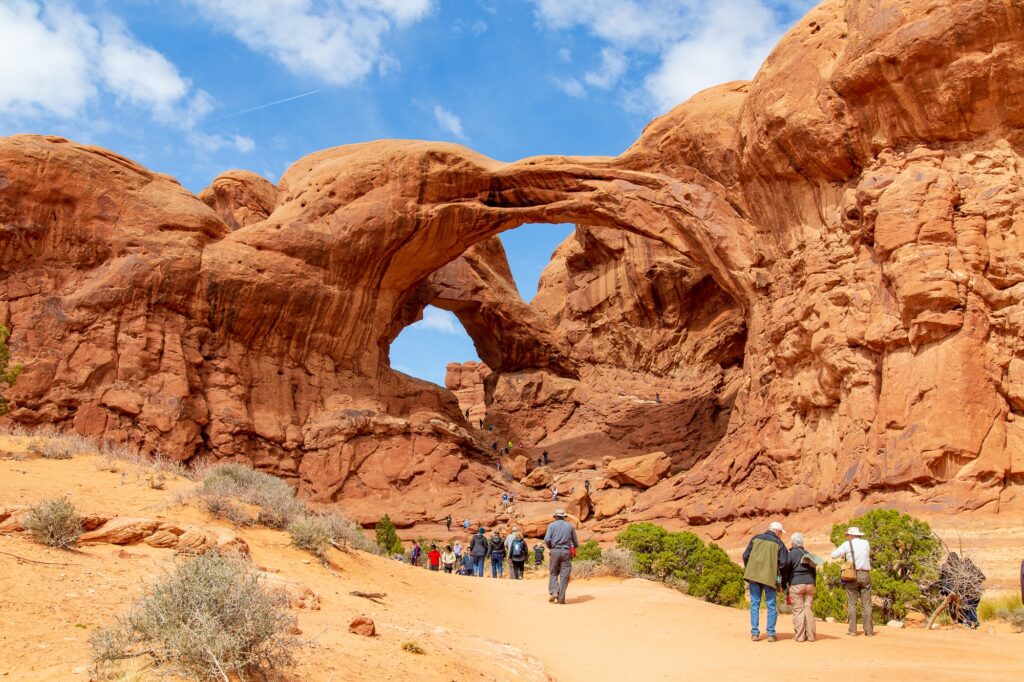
<point>541,477</point>
<point>518,467</point>
<point>611,502</point>
<point>578,504</point>
<point>362,625</point>
<point>536,526</point>
<point>643,471</point>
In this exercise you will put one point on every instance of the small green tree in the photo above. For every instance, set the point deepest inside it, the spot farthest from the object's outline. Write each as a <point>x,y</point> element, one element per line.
<point>589,551</point>
<point>905,559</point>
<point>645,541</point>
<point>387,536</point>
<point>8,373</point>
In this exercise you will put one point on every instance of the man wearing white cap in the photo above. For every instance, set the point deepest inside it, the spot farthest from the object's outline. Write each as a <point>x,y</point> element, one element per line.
<point>763,561</point>
<point>560,539</point>
<point>857,551</point>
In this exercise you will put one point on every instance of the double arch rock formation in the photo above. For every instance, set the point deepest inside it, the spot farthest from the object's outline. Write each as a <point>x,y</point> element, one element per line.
<point>855,213</point>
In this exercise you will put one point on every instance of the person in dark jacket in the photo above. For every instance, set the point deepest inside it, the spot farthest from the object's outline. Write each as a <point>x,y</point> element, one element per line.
<point>799,575</point>
<point>478,550</point>
<point>763,561</point>
<point>497,556</point>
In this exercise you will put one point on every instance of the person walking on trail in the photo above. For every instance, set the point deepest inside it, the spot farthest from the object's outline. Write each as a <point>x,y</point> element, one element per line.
<point>457,548</point>
<point>504,500</point>
<point>544,457</point>
<point>517,555</point>
<point>538,555</point>
<point>856,577</point>
<point>800,574</point>
<point>466,524</point>
<point>554,493</point>
<point>763,561</point>
<point>478,550</point>
<point>434,557</point>
<point>508,541</point>
<point>448,559</point>
<point>415,558</point>
<point>466,568</point>
<point>448,522</point>
<point>497,556</point>
<point>560,538</point>
<point>586,485</point>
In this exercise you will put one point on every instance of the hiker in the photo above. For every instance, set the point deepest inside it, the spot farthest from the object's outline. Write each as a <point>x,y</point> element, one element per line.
<point>414,558</point>
<point>799,575</point>
<point>458,550</point>
<point>466,524</point>
<point>490,427</point>
<point>448,522</point>
<point>657,398</point>
<point>586,485</point>
<point>467,413</point>
<point>554,493</point>
<point>518,554</point>
<point>856,577</point>
<point>504,500</point>
<point>494,448</point>
<point>511,499</point>
<point>540,463</point>
<point>434,557</point>
<point>509,446</point>
<point>560,538</point>
<point>508,541</point>
<point>478,550</point>
<point>498,465</point>
<point>538,555</point>
<point>466,568</point>
<point>448,559</point>
<point>544,456</point>
<point>763,561</point>
<point>497,556</point>
<point>481,423</point>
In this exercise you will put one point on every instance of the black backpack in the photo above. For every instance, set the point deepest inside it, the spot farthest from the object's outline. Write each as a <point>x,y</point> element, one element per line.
<point>497,546</point>
<point>519,550</point>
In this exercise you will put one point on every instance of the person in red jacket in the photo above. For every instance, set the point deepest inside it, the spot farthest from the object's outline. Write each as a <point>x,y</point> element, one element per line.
<point>434,557</point>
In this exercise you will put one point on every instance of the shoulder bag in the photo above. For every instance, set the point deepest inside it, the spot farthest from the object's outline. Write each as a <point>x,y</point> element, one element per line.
<point>849,572</point>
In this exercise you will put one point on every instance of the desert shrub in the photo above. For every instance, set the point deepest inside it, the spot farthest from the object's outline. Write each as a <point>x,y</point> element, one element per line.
<point>1013,616</point>
<point>905,561</point>
<point>589,551</point>
<point>8,373</point>
<point>618,562</point>
<point>587,568</point>
<point>209,619</point>
<point>387,536</point>
<point>682,559</point>
<point>312,533</point>
<point>413,648</point>
<point>829,595</point>
<point>54,523</point>
<point>274,499</point>
<point>991,607</point>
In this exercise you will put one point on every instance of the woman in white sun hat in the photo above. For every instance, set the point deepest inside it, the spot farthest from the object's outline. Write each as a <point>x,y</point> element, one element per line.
<point>856,575</point>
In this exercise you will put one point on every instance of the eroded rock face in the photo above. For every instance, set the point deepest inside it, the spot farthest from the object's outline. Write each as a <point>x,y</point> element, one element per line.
<point>819,295</point>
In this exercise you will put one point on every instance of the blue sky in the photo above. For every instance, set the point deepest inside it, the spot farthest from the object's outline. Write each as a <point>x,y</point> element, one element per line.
<point>194,87</point>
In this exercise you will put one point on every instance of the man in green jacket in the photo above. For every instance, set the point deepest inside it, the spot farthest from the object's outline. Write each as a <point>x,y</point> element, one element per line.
<point>763,561</point>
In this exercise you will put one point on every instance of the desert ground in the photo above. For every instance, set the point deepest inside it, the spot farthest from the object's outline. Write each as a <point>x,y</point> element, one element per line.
<point>610,629</point>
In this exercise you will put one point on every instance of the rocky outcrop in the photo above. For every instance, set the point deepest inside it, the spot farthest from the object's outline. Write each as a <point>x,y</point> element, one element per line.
<point>643,471</point>
<point>819,296</point>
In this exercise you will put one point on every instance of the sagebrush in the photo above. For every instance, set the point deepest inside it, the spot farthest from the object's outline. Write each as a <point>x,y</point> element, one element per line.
<point>54,522</point>
<point>213,617</point>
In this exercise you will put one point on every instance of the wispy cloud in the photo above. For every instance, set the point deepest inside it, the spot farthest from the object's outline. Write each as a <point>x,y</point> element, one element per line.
<point>437,320</point>
<point>267,105</point>
<point>449,123</point>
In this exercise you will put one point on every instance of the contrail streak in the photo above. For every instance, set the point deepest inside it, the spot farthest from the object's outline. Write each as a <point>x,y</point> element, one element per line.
<point>268,104</point>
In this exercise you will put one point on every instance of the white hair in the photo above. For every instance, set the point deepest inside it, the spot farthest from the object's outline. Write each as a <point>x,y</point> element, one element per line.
<point>797,539</point>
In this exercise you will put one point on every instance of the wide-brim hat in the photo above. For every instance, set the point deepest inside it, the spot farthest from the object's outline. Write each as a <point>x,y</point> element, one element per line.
<point>560,514</point>
<point>854,530</point>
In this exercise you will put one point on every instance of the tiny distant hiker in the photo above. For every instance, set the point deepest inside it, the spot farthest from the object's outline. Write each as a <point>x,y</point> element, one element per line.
<point>560,538</point>
<point>511,499</point>
<point>448,522</point>
<point>800,575</point>
<point>763,561</point>
<point>478,550</point>
<point>856,577</point>
<point>657,398</point>
<point>494,446</point>
<point>504,500</point>
<point>586,485</point>
<point>481,423</point>
<point>434,557</point>
<point>554,493</point>
<point>509,446</point>
<point>538,555</point>
<point>414,559</point>
<point>448,559</point>
<point>466,524</point>
<point>540,463</point>
<point>458,550</point>
<point>497,556</point>
<point>544,457</point>
<point>467,413</point>
<point>467,565</point>
<point>517,555</point>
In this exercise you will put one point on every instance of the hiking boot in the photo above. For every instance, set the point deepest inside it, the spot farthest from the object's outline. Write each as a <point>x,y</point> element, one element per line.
<point>553,598</point>
<point>754,638</point>
<point>771,638</point>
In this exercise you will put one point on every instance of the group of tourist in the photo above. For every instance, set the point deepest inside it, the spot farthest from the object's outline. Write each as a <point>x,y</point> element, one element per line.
<point>471,560</point>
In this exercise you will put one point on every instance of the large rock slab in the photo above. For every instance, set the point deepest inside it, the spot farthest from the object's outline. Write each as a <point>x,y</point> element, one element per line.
<point>643,471</point>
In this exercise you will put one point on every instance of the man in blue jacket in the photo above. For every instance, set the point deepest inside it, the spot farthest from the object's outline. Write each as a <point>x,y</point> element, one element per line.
<point>763,562</point>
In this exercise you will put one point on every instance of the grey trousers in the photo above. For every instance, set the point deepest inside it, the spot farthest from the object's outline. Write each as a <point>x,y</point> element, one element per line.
<point>561,570</point>
<point>859,590</point>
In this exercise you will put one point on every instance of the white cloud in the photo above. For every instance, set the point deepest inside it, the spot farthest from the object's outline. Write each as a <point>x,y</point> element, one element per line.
<point>438,320</point>
<point>449,122</point>
<point>54,60</point>
<point>336,42</point>
<point>565,54</point>
<point>214,143</point>
<point>697,43</point>
<point>613,65</point>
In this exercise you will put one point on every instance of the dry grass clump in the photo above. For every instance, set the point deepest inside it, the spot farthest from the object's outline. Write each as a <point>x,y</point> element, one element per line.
<point>54,523</point>
<point>991,607</point>
<point>316,533</point>
<point>1015,617</point>
<point>227,484</point>
<point>211,618</point>
<point>60,445</point>
<point>413,648</point>
<point>613,562</point>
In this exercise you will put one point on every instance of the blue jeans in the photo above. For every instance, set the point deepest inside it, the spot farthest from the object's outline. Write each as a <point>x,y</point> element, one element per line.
<point>497,566</point>
<point>757,590</point>
<point>478,566</point>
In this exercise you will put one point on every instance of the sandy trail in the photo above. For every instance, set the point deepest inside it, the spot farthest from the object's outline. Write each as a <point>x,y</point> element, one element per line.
<point>470,628</point>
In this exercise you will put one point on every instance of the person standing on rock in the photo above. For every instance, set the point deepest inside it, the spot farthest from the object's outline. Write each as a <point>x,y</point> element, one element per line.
<point>856,579</point>
<point>504,500</point>
<point>544,457</point>
<point>448,522</point>
<point>554,493</point>
<point>448,559</point>
<point>517,555</point>
<point>478,550</point>
<point>763,561</point>
<point>497,556</point>
<point>434,558</point>
<point>586,485</point>
<point>800,575</point>
<point>560,538</point>
<point>466,524</point>
<point>458,550</point>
